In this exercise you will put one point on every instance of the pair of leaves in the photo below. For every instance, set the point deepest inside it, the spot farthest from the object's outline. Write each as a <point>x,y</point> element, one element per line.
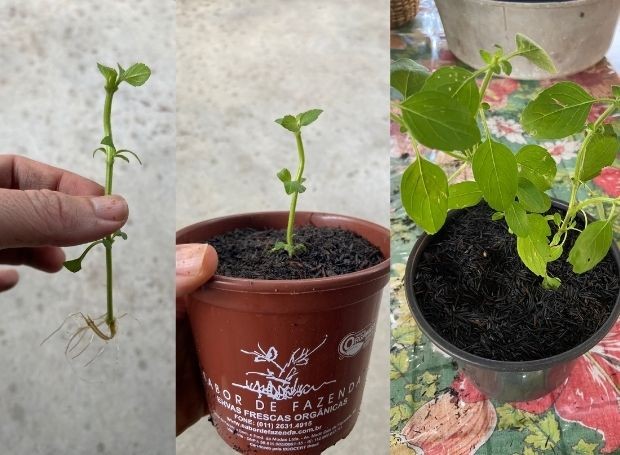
<point>136,75</point>
<point>535,251</point>
<point>294,123</point>
<point>291,186</point>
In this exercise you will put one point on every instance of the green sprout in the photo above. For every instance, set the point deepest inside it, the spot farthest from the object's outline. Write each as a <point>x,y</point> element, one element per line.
<point>294,123</point>
<point>135,75</point>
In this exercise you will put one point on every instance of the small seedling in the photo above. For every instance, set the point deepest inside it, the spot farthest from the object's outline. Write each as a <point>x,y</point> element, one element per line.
<point>294,124</point>
<point>135,75</point>
<point>442,111</point>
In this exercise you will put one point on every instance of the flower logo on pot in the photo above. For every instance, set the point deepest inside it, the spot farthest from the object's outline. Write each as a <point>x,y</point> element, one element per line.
<point>354,342</point>
<point>281,381</point>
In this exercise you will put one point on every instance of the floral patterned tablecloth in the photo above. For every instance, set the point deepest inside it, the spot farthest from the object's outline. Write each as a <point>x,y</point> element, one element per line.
<point>433,409</point>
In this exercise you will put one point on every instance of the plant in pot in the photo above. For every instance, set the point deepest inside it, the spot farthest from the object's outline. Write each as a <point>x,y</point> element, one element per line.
<point>284,330</point>
<point>513,285</point>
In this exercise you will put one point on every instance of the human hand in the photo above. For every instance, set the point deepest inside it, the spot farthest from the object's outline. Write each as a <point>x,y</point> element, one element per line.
<point>195,265</point>
<point>43,208</point>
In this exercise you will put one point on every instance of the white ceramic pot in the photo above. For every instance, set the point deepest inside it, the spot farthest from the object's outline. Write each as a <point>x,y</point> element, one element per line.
<point>575,33</point>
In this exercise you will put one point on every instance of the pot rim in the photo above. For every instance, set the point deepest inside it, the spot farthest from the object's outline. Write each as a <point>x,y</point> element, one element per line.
<point>310,285</point>
<point>500,365</point>
<point>538,5</point>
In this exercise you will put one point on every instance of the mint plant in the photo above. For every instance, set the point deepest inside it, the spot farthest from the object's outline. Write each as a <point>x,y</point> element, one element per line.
<point>293,187</point>
<point>445,111</point>
<point>135,75</point>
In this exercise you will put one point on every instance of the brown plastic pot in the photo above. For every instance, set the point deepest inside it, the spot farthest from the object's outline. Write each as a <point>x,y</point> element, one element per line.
<point>284,362</point>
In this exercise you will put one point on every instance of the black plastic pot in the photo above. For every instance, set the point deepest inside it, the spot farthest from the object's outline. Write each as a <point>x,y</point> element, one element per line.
<point>502,380</point>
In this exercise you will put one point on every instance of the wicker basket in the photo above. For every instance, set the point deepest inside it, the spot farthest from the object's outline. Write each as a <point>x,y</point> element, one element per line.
<point>402,11</point>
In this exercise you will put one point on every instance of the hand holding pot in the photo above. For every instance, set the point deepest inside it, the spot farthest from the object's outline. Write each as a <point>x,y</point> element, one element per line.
<point>195,265</point>
<point>43,208</point>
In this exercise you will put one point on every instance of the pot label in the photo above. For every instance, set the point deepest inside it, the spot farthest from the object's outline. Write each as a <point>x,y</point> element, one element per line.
<point>354,342</point>
<point>278,379</point>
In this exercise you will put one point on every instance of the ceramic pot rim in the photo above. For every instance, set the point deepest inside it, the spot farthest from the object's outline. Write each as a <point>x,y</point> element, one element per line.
<point>539,5</point>
<point>313,285</point>
<point>500,365</point>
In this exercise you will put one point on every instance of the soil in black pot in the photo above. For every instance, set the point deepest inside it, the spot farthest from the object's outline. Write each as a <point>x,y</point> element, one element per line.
<point>246,253</point>
<point>474,291</point>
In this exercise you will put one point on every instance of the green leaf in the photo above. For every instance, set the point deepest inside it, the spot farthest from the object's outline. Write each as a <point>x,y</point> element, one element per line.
<point>544,435</point>
<point>557,112</point>
<point>424,194</point>
<point>506,67</point>
<point>463,194</point>
<point>306,118</point>
<point>75,265</point>
<point>591,246</point>
<point>517,220</point>
<point>99,149</point>
<point>121,71</point>
<point>399,364</point>
<point>486,56</point>
<point>495,170</point>
<point>284,175</point>
<point>120,234</point>
<point>531,198</point>
<point>497,216</point>
<point>107,141</point>
<point>585,448</point>
<point>289,122</point>
<point>528,48</point>
<point>551,283</point>
<point>407,76</point>
<point>293,186</point>
<point>136,74</point>
<point>120,152</point>
<point>122,157</point>
<point>537,165</point>
<point>439,121</point>
<point>615,90</point>
<point>600,152</point>
<point>534,249</point>
<point>457,83</point>
<point>108,73</point>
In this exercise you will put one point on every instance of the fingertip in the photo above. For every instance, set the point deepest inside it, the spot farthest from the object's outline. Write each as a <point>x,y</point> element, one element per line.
<point>8,279</point>
<point>196,263</point>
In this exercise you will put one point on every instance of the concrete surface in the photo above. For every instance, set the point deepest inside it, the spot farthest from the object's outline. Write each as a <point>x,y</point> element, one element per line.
<point>242,64</point>
<point>52,100</point>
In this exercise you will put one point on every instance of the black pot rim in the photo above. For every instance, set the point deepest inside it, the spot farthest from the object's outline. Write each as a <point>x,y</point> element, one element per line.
<point>500,365</point>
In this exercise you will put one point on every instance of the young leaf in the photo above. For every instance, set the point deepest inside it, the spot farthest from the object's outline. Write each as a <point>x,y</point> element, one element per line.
<point>497,216</point>
<point>289,122</point>
<point>455,82</point>
<point>440,122</point>
<point>306,118</point>
<point>537,165</point>
<point>108,73</point>
<point>284,175</point>
<point>495,170</point>
<point>424,194</point>
<point>486,56</point>
<point>75,265</point>
<point>615,90</point>
<point>136,74</point>
<point>591,246</point>
<point>600,152</point>
<point>557,112</point>
<point>107,141</point>
<point>517,220</point>
<point>506,67</point>
<point>293,186</point>
<point>407,76</point>
<point>529,49</point>
<point>531,198</point>
<point>550,282</point>
<point>463,194</point>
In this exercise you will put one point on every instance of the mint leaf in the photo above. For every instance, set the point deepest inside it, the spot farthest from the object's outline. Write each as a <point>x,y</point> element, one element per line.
<point>557,112</point>
<point>455,82</point>
<point>537,165</point>
<point>293,186</point>
<point>136,74</point>
<point>463,194</point>
<point>517,220</point>
<point>600,152</point>
<point>289,122</point>
<point>506,67</point>
<point>439,121</point>
<point>486,56</point>
<point>306,118</point>
<point>407,76</point>
<point>424,194</point>
<point>108,73</point>
<point>531,198</point>
<point>284,175</point>
<point>528,48</point>
<point>591,246</point>
<point>495,170</point>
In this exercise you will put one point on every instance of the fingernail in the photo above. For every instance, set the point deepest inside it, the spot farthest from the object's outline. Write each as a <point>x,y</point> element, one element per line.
<point>190,258</point>
<point>110,208</point>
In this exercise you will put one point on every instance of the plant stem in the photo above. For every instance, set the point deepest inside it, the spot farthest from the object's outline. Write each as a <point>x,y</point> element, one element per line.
<point>458,171</point>
<point>107,128</point>
<point>298,177</point>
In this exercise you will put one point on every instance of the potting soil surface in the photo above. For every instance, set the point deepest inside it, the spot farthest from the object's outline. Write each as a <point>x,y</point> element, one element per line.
<point>474,290</point>
<point>246,253</point>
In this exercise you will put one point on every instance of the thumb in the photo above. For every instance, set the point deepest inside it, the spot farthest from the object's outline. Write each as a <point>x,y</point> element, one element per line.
<point>44,217</point>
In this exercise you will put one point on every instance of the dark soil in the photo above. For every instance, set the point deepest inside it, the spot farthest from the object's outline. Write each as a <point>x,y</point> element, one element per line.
<point>474,290</point>
<point>246,253</point>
